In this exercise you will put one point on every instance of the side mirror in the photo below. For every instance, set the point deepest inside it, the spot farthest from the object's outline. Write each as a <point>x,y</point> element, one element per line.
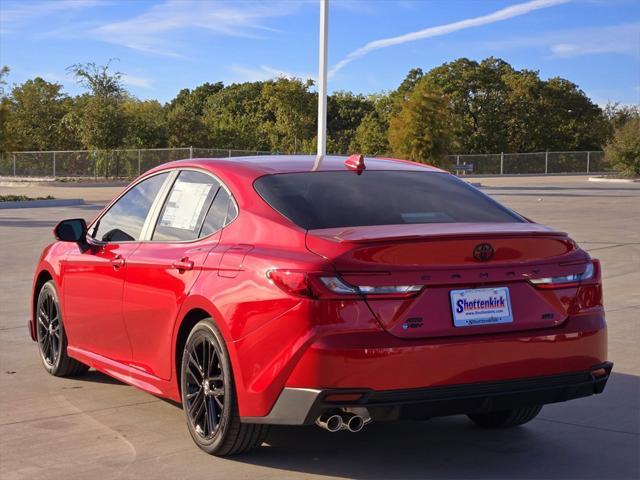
<point>72,230</point>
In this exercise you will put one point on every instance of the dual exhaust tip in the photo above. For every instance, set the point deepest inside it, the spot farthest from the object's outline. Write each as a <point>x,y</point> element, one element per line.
<point>335,421</point>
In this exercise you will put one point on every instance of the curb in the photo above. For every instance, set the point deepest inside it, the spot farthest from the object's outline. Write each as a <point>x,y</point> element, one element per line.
<point>63,202</point>
<point>7,181</point>
<point>613,180</point>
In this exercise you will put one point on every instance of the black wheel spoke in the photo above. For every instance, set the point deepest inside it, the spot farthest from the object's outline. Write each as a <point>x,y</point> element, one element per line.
<point>54,348</point>
<point>204,387</point>
<point>49,307</point>
<point>213,362</point>
<point>196,402</point>
<point>46,345</point>
<point>193,394</point>
<point>49,328</point>
<point>194,362</point>
<point>211,413</point>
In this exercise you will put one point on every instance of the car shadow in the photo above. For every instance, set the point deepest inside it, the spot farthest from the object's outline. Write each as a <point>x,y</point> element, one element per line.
<point>94,376</point>
<point>569,440</point>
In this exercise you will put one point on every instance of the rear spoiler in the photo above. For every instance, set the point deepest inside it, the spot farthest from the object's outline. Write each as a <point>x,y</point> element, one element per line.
<point>384,233</point>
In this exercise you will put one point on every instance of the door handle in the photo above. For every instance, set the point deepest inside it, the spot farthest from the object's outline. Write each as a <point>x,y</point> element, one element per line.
<point>117,262</point>
<point>183,265</point>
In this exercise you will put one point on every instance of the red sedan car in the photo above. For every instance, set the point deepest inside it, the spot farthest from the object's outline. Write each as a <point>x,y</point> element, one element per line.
<point>256,291</point>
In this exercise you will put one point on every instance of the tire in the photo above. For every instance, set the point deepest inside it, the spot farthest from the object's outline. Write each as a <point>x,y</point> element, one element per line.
<point>51,337</point>
<point>209,398</point>
<point>506,418</point>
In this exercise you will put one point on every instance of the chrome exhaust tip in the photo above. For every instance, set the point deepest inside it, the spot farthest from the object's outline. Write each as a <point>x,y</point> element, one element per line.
<point>355,423</point>
<point>331,422</point>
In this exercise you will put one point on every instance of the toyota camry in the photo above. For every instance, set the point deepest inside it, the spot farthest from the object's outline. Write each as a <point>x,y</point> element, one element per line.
<point>257,291</point>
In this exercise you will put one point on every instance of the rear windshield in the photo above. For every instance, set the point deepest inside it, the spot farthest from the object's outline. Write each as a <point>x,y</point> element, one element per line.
<point>344,199</point>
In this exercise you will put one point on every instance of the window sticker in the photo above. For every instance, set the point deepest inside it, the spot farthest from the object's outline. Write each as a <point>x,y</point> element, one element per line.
<point>185,205</point>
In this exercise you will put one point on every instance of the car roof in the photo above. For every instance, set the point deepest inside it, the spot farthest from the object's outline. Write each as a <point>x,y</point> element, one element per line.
<point>259,165</point>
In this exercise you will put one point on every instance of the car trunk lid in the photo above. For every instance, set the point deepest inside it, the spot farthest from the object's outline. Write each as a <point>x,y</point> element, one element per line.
<point>445,258</point>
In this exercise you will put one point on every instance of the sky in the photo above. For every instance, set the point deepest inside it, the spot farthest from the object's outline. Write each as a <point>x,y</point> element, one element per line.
<point>163,46</point>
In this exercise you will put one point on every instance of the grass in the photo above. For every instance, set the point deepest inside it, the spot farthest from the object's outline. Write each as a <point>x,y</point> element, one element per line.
<point>22,198</point>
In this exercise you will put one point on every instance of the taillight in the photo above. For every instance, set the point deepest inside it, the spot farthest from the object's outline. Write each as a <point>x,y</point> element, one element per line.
<point>321,285</point>
<point>295,283</point>
<point>589,288</point>
<point>566,280</point>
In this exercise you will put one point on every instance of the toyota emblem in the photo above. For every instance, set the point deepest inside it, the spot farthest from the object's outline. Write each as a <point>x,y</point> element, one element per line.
<point>483,252</point>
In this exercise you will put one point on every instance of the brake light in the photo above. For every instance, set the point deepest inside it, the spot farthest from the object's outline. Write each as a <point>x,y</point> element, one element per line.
<point>291,282</point>
<point>566,280</point>
<point>321,285</point>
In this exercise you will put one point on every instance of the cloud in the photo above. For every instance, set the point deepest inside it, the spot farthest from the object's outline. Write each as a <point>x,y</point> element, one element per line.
<point>17,11</point>
<point>13,14</point>
<point>623,39</point>
<point>497,16</point>
<point>150,31</point>
<point>134,81</point>
<point>264,72</point>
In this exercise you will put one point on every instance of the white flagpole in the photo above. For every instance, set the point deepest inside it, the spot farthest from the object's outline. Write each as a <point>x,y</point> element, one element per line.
<point>322,84</point>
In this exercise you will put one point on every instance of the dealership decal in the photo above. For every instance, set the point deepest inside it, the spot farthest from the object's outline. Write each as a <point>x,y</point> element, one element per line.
<point>481,306</point>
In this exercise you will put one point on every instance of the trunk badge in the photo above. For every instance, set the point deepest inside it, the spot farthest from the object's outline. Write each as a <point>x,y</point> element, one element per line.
<point>483,252</point>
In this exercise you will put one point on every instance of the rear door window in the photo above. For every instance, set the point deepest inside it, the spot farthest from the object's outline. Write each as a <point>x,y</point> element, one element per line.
<point>186,207</point>
<point>222,211</point>
<point>344,199</point>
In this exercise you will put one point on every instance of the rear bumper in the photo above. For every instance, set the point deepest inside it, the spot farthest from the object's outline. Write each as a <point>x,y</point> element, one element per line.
<point>301,406</point>
<point>379,361</point>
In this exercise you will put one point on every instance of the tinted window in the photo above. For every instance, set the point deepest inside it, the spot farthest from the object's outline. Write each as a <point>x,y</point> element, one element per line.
<point>345,199</point>
<point>184,210</point>
<point>125,219</point>
<point>222,211</point>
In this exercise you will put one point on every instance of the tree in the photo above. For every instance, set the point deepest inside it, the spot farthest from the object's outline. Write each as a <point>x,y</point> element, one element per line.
<point>184,115</point>
<point>618,114</point>
<point>99,117</point>
<point>184,127</point>
<point>424,129</point>
<point>4,71</point>
<point>234,118</point>
<point>195,100</point>
<point>501,109</point>
<point>371,136</point>
<point>570,121</point>
<point>146,125</point>
<point>98,79</point>
<point>288,113</point>
<point>478,96</point>
<point>345,112</point>
<point>5,110</point>
<point>623,152</point>
<point>36,111</point>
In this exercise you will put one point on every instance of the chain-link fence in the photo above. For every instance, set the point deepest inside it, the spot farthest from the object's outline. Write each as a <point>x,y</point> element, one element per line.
<point>530,163</point>
<point>132,162</point>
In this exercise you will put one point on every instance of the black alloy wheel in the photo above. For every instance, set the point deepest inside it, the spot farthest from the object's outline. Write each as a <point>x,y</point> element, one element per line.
<point>51,337</point>
<point>48,316</point>
<point>208,395</point>
<point>204,387</point>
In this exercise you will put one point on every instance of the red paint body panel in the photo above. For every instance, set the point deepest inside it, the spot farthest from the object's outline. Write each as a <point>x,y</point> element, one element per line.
<point>347,361</point>
<point>124,318</point>
<point>154,293</point>
<point>96,321</point>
